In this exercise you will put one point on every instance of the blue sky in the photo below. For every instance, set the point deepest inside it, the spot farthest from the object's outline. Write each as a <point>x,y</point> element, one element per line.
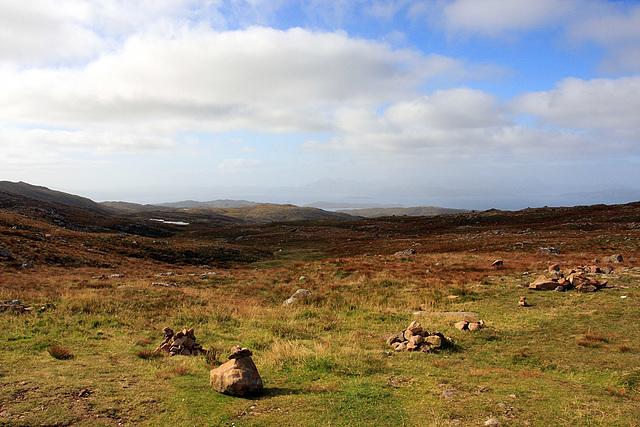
<point>458,103</point>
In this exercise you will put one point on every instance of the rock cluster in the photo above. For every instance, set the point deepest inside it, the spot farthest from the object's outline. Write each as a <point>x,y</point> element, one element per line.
<point>14,306</point>
<point>183,343</point>
<point>406,252</point>
<point>469,323</point>
<point>414,338</point>
<point>576,278</point>
<point>237,377</point>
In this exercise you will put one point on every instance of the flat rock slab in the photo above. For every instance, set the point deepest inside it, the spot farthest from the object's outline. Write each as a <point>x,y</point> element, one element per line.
<point>446,313</point>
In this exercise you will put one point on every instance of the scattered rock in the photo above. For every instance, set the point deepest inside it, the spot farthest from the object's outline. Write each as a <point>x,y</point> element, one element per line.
<point>167,274</point>
<point>297,295</point>
<point>497,263</point>
<point>406,252</point>
<point>14,306</point>
<point>183,343</point>
<point>492,422</point>
<point>607,269</point>
<point>549,251</point>
<point>554,267</point>
<point>523,302</point>
<point>167,285</point>
<point>469,323</point>
<point>593,269</point>
<point>614,258</point>
<point>237,377</point>
<point>6,254</point>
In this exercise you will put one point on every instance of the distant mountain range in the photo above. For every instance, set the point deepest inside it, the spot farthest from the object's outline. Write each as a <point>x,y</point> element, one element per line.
<point>226,203</point>
<point>221,212</point>
<point>415,211</point>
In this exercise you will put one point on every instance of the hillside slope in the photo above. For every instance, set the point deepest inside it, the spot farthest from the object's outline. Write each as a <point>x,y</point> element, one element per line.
<point>47,195</point>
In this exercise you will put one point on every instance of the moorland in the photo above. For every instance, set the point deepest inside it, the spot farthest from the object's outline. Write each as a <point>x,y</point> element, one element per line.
<point>99,283</point>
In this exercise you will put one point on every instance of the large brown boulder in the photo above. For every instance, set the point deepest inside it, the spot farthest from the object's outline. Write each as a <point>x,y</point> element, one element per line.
<point>237,377</point>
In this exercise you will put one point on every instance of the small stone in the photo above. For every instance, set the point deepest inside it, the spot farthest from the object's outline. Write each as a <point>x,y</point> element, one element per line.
<point>238,353</point>
<point>470,319</point>
<point>523,302</point>
<point>414,327</point>
<point>300,294</point>
<point>399,346</point>
<point>492,422</point>
<point>549,251</point>
<point>497,263</point>
<point>554,267</point>
<point>593,269</point>
<point>462,325</point>
<point>415,342</point>
<point>434,341</point>
<point>607,269</point>
<point>179,341</point>
<point>449,394</point>
<point>399,337</point>
<point>615,258</point>
<point>474,326</point>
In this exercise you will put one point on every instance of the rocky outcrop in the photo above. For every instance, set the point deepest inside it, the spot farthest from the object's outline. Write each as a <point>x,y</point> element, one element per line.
<point>237,377</point>
<point>14,306</point>
<point>580,278</point>
<point>183,343</point>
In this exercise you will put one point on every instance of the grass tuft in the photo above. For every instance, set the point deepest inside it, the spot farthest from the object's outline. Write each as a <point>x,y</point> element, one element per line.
<point>59,352</point>
<point>148,354</point>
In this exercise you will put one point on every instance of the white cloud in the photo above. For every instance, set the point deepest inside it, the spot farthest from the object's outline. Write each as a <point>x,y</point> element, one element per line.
<point>455,109</point>
<point>463,124</point>
<point>616,27</point>
<point>594,105</point>
<point>33,32</point>
<point>259,78</point>
<point>497,17</point>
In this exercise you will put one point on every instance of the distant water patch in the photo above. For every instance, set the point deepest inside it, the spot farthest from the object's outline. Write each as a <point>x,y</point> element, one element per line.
<point>169,222</point>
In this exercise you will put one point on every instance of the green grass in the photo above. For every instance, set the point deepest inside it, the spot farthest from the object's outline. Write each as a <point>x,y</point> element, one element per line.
<point>569,359</point>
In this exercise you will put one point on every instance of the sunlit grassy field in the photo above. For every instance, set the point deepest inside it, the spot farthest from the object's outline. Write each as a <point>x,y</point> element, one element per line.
<point>568,359</point>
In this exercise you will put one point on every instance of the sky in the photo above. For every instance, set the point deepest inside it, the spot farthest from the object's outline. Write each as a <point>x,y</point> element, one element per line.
<point>471,104</point>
